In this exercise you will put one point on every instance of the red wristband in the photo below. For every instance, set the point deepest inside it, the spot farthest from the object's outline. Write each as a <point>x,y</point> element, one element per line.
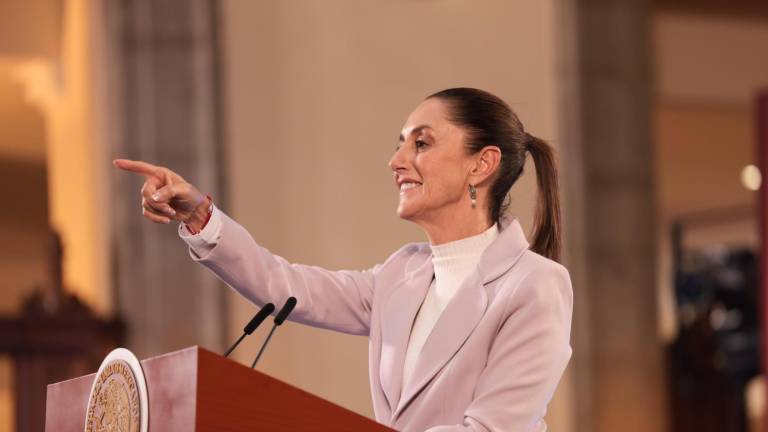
<point>207,218</point>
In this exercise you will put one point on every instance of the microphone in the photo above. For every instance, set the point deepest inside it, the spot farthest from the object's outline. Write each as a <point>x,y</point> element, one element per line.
<point>252,325</point>
<point>279,318</point>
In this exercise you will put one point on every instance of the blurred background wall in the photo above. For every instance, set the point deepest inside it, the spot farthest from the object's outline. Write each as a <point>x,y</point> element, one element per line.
<point>287,112</point>
<point>707,80</point>
<point>707,77</point>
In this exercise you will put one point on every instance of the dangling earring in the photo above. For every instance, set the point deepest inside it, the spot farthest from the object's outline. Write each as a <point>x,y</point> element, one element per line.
<point>473,194</point>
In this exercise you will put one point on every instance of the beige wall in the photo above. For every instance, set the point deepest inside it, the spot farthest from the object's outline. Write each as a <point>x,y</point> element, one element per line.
<point>315,95</point>
<point>702,150</point>
<point>30,28</point>
<point>709,59</point>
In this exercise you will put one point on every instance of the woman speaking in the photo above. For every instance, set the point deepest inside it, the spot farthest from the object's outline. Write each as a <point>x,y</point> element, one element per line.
<point>468,332</point>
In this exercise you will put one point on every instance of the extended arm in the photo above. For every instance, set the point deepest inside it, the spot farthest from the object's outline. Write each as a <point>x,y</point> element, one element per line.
<point>337,300</point>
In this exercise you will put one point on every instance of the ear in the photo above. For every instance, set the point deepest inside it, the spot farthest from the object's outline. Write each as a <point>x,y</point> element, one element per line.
<point>486,162</point>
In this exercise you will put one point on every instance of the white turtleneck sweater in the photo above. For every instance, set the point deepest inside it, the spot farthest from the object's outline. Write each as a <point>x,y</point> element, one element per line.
<point>453,262</point>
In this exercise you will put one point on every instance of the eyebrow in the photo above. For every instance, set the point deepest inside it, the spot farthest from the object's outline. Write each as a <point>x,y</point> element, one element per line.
<point>417,129</point>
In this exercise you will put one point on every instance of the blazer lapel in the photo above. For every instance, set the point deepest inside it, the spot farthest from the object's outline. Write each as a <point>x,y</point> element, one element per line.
<point>504,252</point>
<point>458,320</point>
<point>398,315</point>
<point>454,326</point>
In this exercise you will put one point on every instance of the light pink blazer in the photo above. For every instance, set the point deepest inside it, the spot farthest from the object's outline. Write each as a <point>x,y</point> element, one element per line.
<point>493,359</point>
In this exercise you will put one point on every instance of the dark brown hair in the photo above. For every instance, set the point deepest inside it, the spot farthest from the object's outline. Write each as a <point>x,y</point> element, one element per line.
<point>491,122</point>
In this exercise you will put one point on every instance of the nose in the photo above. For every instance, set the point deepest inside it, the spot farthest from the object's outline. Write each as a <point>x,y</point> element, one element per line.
<point>398,160</point>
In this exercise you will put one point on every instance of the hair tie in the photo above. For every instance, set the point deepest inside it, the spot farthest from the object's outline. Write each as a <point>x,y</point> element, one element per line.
<point>528,143</point>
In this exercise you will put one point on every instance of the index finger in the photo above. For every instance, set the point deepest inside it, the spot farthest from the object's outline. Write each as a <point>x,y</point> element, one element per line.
<point>139,167</point>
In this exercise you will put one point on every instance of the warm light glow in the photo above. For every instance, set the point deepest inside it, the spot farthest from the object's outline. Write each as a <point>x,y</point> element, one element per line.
<point>7,402</point>
<point>751,177</point>
<point>39,80</point>
<point>63,90</point>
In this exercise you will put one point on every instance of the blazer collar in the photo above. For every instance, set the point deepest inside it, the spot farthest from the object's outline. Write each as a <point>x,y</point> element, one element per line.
<point>504,252</point>
<point>455,324</point>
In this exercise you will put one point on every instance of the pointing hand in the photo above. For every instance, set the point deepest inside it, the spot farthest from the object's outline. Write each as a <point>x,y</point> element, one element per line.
<point>166,196</point>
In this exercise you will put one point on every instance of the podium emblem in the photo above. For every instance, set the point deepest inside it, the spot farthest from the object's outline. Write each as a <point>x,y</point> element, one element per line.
<point>118,400</point>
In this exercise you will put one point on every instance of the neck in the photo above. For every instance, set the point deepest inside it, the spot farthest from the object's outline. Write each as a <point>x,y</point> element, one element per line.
<point>456,225</point>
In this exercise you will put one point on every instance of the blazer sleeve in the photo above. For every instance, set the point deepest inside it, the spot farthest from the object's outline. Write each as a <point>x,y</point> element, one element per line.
<point>337,300</point>
<point>527,358</point>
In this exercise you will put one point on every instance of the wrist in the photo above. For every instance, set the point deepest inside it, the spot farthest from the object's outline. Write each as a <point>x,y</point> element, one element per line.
<point>200,216</point>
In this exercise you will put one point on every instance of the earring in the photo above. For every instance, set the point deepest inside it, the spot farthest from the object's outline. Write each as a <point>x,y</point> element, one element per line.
<point>473,194</point>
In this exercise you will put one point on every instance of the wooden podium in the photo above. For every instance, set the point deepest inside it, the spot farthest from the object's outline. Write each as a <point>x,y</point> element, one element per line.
<point>196,390</point>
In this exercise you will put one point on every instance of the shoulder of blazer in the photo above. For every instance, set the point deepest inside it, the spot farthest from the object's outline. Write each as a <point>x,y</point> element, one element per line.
<point>544,284</point>
<point>409,257</point>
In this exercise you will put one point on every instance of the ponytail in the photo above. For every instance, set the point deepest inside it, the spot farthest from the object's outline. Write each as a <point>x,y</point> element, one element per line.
<point>491,122</point>
<point>547,237</point>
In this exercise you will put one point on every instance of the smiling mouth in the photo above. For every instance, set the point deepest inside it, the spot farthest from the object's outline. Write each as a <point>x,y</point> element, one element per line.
<point>405,187</point>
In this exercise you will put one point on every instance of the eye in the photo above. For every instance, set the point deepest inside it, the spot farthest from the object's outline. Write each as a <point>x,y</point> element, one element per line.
<point>420,144</point>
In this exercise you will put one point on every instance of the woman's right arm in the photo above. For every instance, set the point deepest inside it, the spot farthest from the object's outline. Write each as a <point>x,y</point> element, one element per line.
<point>338,300</point>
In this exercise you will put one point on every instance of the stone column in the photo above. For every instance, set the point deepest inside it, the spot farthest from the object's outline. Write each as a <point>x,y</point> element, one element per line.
<point>624,377</point>
<point>163,87</point>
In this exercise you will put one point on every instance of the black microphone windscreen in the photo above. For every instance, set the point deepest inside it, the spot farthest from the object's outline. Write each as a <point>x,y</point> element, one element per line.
<point>259,317</point>
<point>285,311</point>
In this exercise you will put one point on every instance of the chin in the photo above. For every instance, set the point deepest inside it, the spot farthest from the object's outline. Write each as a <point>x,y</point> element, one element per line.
<point>405,213</point>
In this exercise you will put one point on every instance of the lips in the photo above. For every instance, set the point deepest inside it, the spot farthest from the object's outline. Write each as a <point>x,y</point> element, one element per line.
<point>408,185</point>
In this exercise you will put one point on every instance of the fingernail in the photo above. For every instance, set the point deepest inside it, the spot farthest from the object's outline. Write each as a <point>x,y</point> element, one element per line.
<point>172,212</point>
<point>156,196</point>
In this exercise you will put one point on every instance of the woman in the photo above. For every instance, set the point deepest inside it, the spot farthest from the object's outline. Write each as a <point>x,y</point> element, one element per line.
<point>469,332</point>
